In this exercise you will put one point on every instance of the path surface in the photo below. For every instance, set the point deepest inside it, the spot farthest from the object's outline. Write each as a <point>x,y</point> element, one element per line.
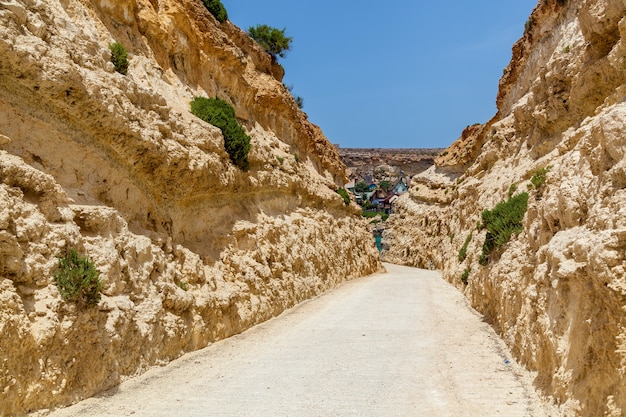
<point>398,344</point>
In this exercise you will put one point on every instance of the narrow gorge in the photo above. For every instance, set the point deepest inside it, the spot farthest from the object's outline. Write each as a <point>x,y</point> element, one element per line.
<point>556,290</point>
<point>190,248</point>
<point>525,214</point>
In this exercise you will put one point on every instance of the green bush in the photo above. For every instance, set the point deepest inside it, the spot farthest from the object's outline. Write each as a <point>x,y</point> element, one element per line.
<point>271,39</point>
<point>217,9</point>
<point>77,279</point>
<point>344,194</point>
<point>463,251</point>
<point>221,114</point>
<point>501,222</point>
<point>539,177</point>
<point>119,57</point>
<point>465,276</point>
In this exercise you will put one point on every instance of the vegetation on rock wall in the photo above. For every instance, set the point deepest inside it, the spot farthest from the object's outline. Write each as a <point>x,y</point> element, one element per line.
<point>539,177</point>
<point>217,9</point>
<point>119,57</point>
<point>463,251</point>
<point>271,39</point>
<point>222,115</point>
<point>77,279</point>
<point>465,276</point>
<point>344,194</point>
<point>501,222</point>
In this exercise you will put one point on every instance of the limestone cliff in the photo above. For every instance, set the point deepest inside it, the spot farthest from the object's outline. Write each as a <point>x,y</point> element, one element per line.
<point>557,291</point>
<point>190,248</point>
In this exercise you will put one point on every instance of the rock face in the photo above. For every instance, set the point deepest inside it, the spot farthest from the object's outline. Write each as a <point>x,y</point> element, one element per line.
<point>557,291</point>
<point>190,249</point>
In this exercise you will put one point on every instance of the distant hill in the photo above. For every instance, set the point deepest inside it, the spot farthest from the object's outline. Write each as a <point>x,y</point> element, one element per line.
<point>411,161</point>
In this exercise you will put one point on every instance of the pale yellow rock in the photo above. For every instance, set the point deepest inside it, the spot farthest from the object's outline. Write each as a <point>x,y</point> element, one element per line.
<point>190,249</point>
<point>555,292</point>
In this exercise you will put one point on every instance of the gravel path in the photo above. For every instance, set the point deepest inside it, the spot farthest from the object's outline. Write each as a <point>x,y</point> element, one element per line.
<point>400,344</point>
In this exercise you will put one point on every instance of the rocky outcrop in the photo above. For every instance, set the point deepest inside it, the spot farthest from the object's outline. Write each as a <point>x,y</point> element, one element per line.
<point>190,249</point>
<point>557,291</point>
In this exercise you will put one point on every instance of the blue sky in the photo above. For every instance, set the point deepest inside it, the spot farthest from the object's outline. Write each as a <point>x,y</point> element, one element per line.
<point>394,74</point>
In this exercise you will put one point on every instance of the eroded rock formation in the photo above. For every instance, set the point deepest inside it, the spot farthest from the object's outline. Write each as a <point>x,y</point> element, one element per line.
<point>190,248</point>
<point>557,291</point>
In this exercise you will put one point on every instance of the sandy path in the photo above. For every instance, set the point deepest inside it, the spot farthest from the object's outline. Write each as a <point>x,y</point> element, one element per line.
<point>399,344</point>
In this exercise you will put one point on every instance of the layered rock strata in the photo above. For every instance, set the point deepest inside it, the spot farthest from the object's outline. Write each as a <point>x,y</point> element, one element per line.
<point>557,291</point>
<point>190,249</point>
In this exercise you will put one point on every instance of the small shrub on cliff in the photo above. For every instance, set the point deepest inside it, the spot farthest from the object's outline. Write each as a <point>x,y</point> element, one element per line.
<point>77,279</point>
<point>539,177</point>
<point>299,100</point>
<point>501,222</point>
<point>119,57</point>
<point>221,114</point>
<point>271,39</point>
<point>217,9</point>
<point>344,194</point>
<point>465,276</point>
<point>463,251</point>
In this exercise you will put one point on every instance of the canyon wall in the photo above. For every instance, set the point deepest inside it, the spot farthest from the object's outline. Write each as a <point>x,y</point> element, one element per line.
<point>556,292</point>
<point>190,248</point>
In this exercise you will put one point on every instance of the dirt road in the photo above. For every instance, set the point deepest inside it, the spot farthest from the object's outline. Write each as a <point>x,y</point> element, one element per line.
<point>398,344</point>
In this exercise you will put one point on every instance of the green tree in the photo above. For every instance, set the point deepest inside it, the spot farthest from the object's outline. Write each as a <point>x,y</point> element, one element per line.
<point>385,185</point>
<point>271,39</point>
<point>361,187</point>
<point>221,114</point>
<point>217,9</point>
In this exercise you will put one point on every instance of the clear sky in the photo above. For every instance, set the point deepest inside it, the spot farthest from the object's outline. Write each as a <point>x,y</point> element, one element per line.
<point>393,74</point>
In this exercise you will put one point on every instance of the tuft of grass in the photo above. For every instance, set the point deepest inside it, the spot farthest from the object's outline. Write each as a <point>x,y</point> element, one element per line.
<point>501,222</point>
<point>119,57</point>
<point>77,279</point>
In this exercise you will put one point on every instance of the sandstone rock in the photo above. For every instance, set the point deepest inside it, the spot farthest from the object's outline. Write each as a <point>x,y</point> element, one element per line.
<point>190,249</point>
<point>555,292</point>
